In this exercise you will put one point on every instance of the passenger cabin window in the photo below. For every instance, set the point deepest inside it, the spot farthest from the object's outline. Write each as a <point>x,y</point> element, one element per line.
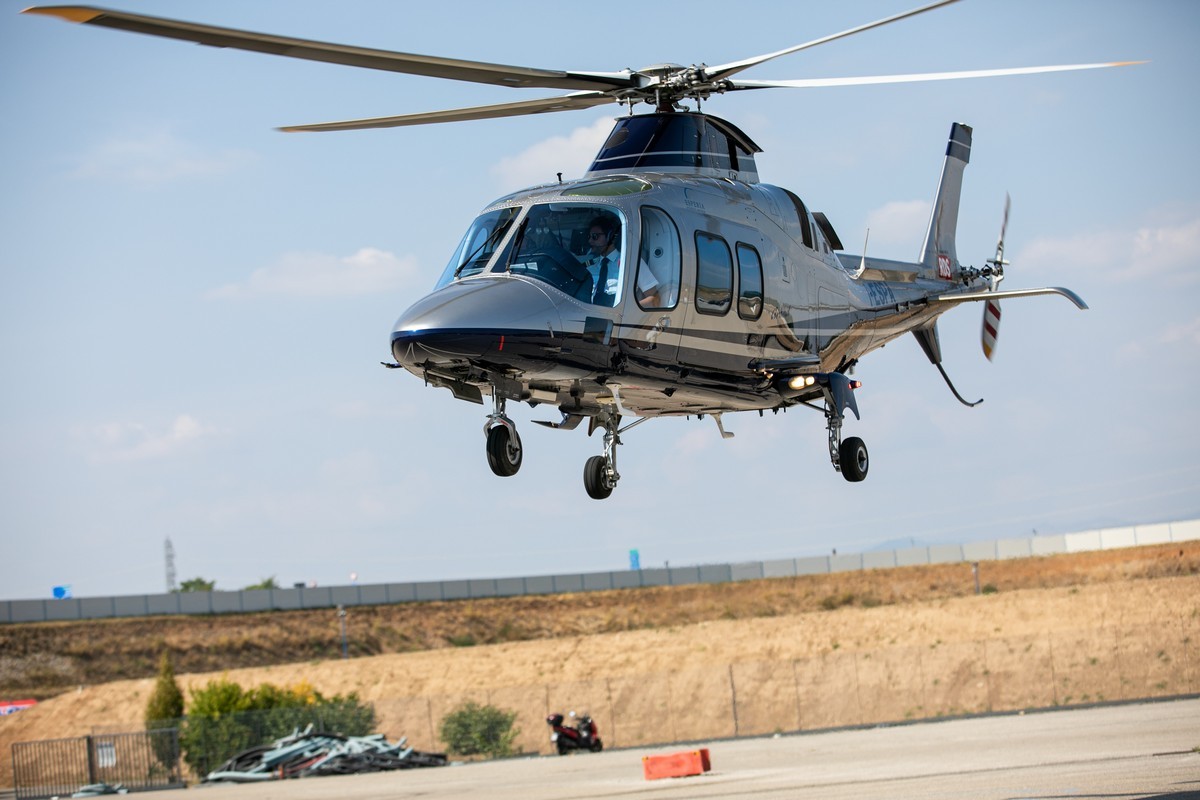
<point>750,282</point>
<point>657,282</point>
<point>714,274</point>
<point>574,247</point>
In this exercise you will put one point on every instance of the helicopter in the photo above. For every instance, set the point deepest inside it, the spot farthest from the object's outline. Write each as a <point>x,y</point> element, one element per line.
<point>666,281</point>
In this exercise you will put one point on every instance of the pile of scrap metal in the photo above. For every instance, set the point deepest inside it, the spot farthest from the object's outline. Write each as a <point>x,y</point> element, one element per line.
<point>304,754</point>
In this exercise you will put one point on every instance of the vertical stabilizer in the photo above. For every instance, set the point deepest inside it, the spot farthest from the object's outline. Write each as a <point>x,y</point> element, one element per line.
<point>939,255</point>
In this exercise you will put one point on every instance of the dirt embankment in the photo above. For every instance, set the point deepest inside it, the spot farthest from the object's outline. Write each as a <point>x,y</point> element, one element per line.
<point>653,664</point>
<point>45,659</point>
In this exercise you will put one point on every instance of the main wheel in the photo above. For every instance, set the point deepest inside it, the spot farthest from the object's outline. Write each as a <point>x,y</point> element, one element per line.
<point>595,478</point>
<point>503,451</point>
<point>852,454</point>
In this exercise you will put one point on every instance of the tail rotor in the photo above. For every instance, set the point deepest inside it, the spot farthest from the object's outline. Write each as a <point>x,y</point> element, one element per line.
<point>994,273</point>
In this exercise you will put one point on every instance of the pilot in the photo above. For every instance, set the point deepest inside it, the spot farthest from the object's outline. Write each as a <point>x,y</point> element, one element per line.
<point>603,260</point>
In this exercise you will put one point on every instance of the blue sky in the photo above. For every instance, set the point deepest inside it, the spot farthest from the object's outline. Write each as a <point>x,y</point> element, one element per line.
<point>193,306</point>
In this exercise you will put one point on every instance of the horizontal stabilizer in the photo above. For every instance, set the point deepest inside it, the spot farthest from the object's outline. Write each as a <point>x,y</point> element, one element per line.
<point>976,296</point>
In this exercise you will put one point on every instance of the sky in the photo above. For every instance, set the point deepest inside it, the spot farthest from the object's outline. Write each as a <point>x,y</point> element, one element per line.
<point>194,306</point>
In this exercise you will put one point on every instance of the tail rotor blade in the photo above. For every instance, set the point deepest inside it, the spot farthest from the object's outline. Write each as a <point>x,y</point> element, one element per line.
<point>999,259</point>
<point>991,327</point>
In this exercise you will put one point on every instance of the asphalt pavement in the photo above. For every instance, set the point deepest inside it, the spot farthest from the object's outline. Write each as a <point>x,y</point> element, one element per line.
<point>1147,750</point>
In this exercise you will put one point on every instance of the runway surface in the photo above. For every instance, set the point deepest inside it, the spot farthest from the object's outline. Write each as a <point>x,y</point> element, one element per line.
<point>1145,750</point>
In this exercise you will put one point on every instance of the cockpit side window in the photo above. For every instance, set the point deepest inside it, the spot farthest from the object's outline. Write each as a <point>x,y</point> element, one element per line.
<point>657,282</point>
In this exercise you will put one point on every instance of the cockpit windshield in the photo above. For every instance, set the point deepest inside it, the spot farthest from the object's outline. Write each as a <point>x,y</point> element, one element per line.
<point>575,247</point>
<point>477,247</point>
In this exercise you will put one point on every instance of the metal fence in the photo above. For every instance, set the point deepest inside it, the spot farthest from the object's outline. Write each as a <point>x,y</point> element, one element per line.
<point>1153,659</point>
<point>136,761</point>
<point>254,600</point>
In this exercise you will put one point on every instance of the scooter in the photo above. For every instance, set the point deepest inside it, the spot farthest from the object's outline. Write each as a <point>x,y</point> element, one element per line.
<point>583,736</point>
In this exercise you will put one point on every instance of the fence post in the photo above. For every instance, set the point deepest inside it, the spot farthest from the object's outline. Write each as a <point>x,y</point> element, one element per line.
<point>91,759</point>
<point>733,700</point>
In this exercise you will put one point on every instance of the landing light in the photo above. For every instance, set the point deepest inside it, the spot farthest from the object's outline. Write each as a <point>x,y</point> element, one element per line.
<point>801,382</point>
<point>855,384</point>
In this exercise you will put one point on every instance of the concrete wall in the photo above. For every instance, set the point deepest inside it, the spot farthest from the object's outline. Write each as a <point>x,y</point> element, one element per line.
<point>14,611</point>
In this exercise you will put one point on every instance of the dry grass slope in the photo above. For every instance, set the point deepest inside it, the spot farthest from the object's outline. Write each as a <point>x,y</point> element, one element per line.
<point>741,658</point>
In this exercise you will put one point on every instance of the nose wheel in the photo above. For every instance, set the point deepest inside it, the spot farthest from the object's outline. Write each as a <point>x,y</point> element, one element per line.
<point>504,449</point>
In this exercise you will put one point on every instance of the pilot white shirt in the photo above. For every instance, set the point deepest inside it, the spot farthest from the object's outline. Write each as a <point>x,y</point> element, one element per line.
<point>613,280</point>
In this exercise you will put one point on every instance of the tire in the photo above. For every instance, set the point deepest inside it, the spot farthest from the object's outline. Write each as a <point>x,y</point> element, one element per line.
<point>594,478</point>
<point>503,451</point>
<point>562,749</point>
<point>852,455</point>
<point>597,746</point>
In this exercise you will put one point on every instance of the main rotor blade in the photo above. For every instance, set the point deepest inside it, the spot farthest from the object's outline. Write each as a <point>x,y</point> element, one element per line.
<point>725,70</point>
<point>368,58</point>
<point>810,83</point>
<point>569,102</point>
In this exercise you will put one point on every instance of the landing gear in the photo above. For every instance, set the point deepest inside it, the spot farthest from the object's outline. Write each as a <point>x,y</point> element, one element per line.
<point>503,444</point>
<point>600,474</point>
<point>849,457</point>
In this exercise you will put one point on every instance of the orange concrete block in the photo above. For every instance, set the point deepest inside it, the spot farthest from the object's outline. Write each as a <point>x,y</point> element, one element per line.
<point>676,765</point>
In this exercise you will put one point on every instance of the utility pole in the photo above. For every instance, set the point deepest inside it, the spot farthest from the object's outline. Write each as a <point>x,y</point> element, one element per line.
<point>170,553</point>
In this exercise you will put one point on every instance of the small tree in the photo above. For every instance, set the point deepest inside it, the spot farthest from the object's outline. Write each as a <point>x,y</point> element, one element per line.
<point>472,729</point>
<point>197,585</point>
<point>166,702</point>
<point>164,709</point>
<point>265,583</point>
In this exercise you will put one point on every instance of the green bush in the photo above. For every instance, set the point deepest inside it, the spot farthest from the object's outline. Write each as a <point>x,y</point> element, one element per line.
<point>224,719</point>
<point>472,729</point>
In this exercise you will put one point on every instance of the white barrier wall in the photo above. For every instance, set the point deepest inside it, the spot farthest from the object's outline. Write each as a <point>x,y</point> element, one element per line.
<point>250,600</point>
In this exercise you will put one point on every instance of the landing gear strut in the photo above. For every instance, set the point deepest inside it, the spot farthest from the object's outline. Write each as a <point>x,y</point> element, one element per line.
<point>600,474</point>
<point>503,444</point>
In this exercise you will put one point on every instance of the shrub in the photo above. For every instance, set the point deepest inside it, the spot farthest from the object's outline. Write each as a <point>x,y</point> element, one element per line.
<point>224,719</point>
<point>472,729</point>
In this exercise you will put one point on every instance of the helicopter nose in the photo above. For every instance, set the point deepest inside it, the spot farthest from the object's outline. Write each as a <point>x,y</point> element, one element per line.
<point>489,321</point>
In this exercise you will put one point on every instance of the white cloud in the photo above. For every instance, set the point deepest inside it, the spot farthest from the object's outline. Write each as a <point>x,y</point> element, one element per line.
<point>131,441</point>
<point>899,225</point>
<point>1168,252</point>
<point>155,157</point>
<point>1187,333</point>
<point>321,275</point>
<point>571,155</point>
